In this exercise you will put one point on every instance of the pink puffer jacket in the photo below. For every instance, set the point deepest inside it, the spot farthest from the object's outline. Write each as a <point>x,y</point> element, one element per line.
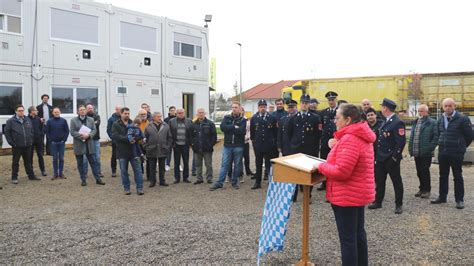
<point>350,167</point>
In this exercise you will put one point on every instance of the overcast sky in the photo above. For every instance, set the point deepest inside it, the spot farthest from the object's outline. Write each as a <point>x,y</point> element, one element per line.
<point>307,39</point>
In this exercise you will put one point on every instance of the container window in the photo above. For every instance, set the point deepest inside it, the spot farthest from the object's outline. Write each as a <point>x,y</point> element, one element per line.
<point>87,96</point>
<point>67,25</point>
<point>10,7</point>
<point>13,24</point>
<point>64,99</point>
<point>187,50</point>
<point>155,92</point>
<point>138,37</point>
<point>10,96</point>
<point>2,21</point>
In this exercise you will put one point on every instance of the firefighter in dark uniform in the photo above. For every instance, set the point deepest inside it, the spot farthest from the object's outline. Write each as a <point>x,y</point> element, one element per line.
<point>304,130</point>
<point>313,105</point>
<point>390,143</point>
<point>328,117</point>
<point>263,133</point>
<point>284,144</point>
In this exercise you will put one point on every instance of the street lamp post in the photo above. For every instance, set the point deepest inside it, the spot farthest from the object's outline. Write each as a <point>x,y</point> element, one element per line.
<point>240,94</point>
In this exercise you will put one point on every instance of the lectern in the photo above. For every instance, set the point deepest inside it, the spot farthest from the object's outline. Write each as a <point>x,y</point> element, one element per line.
<point>297,169</point>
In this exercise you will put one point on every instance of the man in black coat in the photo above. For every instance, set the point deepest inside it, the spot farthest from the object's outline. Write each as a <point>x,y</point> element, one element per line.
<point>284,140</point>
<point>304,130</point>
<point>455,135</point>
<point>390,143</point>
<point>38,136</point>
<point>328,117</point>
<point>203,141</point>
<point>45,112</point>
<point>19,134</point>
<point>263,133</point>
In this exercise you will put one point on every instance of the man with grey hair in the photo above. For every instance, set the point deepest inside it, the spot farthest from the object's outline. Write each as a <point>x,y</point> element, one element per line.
<point>423,141</point>
<point>455,135</point>
<point>181,129</point>
<point>204,137</point>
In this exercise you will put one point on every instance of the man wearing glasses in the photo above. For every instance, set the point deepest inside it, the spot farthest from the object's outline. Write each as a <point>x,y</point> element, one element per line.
<point>19,134</point>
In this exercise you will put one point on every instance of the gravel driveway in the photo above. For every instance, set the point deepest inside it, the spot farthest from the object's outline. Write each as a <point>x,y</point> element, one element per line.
<point>61,222</point>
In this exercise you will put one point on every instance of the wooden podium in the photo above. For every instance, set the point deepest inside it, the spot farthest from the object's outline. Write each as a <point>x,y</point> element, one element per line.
<point>296,169</point>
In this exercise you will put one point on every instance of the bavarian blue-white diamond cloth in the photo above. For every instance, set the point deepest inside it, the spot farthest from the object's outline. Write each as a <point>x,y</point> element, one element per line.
<point>275,217</point>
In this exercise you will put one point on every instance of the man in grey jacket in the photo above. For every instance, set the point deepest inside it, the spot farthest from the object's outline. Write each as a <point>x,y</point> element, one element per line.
<point>181,129</point>
<point>157,145</point>
<point>83,129</point>
<point>19,134</point>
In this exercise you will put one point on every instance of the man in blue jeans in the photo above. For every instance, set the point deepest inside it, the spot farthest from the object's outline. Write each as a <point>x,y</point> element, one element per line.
<point>234,128</point>
<point>455,134</point>
<point>125,152</point>
<point>57,131</point>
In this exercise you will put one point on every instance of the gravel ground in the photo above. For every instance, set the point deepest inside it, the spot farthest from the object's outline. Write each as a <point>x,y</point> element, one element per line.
<point>61,222</point>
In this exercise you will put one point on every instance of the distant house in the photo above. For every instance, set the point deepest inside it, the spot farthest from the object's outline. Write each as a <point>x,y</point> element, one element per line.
<point>268,91</point>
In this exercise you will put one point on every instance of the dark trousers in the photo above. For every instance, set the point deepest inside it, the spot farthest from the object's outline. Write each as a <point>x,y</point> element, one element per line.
<point>81,166</point>
<point>454,162</point>
<point>181,151</point>
<point>161,169</point>
<point>423,171</point>
<point>48,145</point>
<point>23,152</point>
<point>259,157</point>
<point>391,168</point>
<point>350,226</point>
<point>38,147</point>
<point>113,159</point>
<point>247,158</point>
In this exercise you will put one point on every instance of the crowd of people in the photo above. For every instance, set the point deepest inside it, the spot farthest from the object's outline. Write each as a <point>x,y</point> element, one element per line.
<point>362,146</point>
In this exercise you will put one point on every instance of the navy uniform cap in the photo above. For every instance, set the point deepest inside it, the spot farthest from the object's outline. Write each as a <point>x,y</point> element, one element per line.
<point>305,98</point>
<point>262,102</point>
<point>330,95</point>
<point>314,100</point>
<point>292,103</point>
<point>389,103</point>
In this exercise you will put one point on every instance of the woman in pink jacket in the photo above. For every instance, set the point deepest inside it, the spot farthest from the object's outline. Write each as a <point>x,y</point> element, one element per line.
<point>350,181</point>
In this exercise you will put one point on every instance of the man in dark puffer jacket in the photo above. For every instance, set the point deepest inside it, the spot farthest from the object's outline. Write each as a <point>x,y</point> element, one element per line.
<point>455,135</point>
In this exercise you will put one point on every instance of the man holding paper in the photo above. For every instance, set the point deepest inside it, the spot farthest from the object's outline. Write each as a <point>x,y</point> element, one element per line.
<point>83,129</point>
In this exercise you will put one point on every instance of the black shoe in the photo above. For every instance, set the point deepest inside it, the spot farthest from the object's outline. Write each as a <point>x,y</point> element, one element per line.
<point>256,186</point>
<point>460,205</point>
<point>321,188</point>
<point>83,183</point>
<point>236,187</point>
<point>193,174</point>
<point>209,181</point>
<point>100,182</point>
<point>186,181</point>
<point>265,177</point>
<point>438,201</point>
<point>198,182</point>
<point>34,178</point>
<point>43,173</point>
<point>215,187</point>
<point>164,184</point>
<point>418,194</point>
<point>114,174</point>
<point>375,205</point>
<point>250,174</point>
<point>176,182</point>
<point>398,209</point>
<point>152,184</point>
<point>127,192</point>
<point>252,177</point>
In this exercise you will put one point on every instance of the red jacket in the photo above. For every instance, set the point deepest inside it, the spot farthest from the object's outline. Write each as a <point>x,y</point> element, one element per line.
<point>350,167</point>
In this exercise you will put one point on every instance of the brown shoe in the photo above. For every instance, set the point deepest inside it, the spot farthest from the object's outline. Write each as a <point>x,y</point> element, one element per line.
<point>62,176</point>
<point>425,195</point>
